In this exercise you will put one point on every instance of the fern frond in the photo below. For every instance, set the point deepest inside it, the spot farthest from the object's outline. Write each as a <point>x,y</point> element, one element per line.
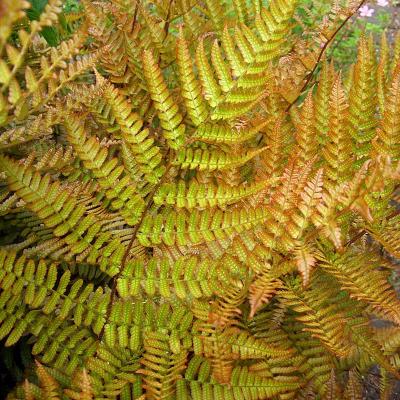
<point>363,102</point>
<point>49,386</point>
<point>322,322</point>
<point>55,71</point>
<point>387,140</point>
<point>305,262</point>
<point>211,89</point>
<point>362,336</point>
<point>198,226</point>
<point>224,134</point>
<point>85,388</point>
<point>274,140</point>
<point>306,135</point>
<point>337,151</point>
<point>16,57</point>
<point>156,32</point>
<point>168,112</point>
<point>190,87</point>
<point>165,354</point>
<point>283,204</point>
<point>250,62</point>
<point>322,95</point>
<point>354,388</point>
<point>32,129</point>
<point>243,385</point>
<point>108,172</point>
<point>262,289</point>
<point>210,160</point>
<point>181,279</point>
<point>313,362</point>
<point>244,346</point>
<point>396,54</point>
<point>40,288</point>
<point>198,195</point>
<point>161,367</point>
<point>359,276</point>
<point>57,158</point>
<point>383,72</point>
<point>63,214</point>
<point>388,236</point>
<point>273,25</point>
<point>310,199</point>
<point>63,345</point>
<point>113,371</point>
<point>137,138</point>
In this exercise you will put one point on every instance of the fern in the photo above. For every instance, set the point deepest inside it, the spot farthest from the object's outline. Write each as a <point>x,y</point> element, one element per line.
<point>194,204</point>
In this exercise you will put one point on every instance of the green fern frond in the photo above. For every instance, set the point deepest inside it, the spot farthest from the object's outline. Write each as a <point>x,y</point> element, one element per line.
<point>210,160</point>
<point>322,322</point>
<point>198,226</point>
<point>63,214</point>
<point>337,151</point>
<point>181,279</point>
<point>109,173</point>
<point>168,112</point>
<point>137,138</point>
<point>363,102</point>
<point>244,385</point>
<point>190,87</point>
<point>322,107</point>
<point>224,134</point>
<point>197,195</point>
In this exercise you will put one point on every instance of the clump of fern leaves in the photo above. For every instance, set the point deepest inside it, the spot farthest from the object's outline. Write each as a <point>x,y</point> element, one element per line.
<point>195,204</point>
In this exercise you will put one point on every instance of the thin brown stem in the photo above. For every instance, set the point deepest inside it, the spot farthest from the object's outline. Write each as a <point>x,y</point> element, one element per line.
<point>361,233</point>
<point>321,54</point>
<point>167,20</point>
<point>129,247</point>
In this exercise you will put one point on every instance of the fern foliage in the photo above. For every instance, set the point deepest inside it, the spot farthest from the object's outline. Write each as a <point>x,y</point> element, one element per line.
<point>194,203</point>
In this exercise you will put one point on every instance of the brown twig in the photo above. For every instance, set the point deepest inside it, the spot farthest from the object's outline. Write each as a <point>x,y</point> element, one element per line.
<point>340,39</point>
<point>361,233</point>
<point>167,20</point>
<point>322,52</point>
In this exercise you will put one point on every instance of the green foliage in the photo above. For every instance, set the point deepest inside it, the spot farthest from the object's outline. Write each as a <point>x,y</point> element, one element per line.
<point>383,20</point>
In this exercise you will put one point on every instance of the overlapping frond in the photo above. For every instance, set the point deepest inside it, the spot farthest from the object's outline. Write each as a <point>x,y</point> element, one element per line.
<point>78,232</point>
<point>360,277</point>
<point>322,107</point>
<point>244,385</point>
<point>134,134</point>
<point>120,189</point>
<point>211,160</point>
<point>234,85</point>
<point>318,317</point>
